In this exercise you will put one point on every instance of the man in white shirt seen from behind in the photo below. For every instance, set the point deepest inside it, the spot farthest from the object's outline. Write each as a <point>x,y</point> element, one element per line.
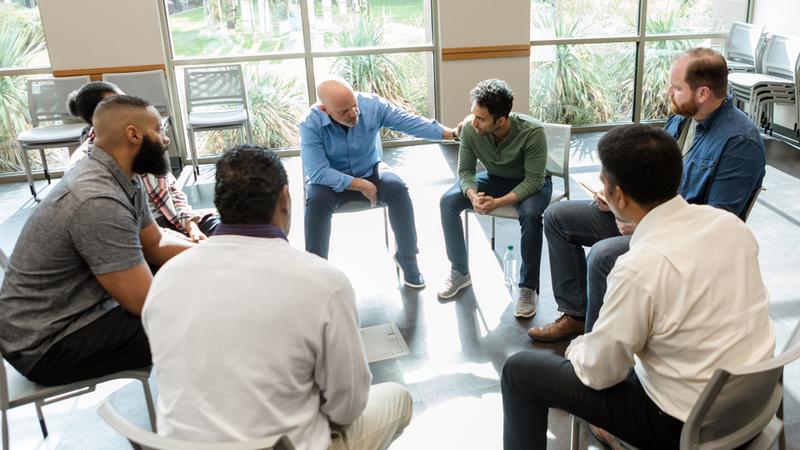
<point>268,345</point>
<point>687,299</point>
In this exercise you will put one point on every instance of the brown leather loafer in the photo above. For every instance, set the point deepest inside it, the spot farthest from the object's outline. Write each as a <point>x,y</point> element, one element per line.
<point>565,327</point>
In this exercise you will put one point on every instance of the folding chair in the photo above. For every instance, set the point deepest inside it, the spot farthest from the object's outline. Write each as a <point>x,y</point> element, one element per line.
<point>47,103</point>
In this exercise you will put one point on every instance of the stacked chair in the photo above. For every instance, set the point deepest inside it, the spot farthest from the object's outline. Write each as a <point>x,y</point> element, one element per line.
<point>774,83</point>
<point>744,47</point>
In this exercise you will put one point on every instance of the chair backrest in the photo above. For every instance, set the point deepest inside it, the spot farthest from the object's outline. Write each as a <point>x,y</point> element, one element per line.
<point>751,202</point>
<point>142,439</point>
<point>150,85</point>
<point>47,99</point>
<point>558,137</point>
<point>217,87</point>
<point>742,42</point>
<point>780,56</point>
<point>737,404</point>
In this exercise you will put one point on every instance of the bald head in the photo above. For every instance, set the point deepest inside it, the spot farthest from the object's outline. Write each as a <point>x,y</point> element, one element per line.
<point>338,100</point>
<point>115,115</point>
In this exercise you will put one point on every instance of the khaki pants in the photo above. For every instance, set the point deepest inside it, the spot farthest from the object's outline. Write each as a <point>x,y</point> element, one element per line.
<point>387,414</point>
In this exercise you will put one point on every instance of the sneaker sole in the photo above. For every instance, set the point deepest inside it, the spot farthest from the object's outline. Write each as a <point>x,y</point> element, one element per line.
<point>458,289</point>
<point>524,316</point>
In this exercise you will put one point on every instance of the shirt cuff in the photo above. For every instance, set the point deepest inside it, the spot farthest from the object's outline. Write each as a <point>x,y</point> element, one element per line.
<point>344,182</point>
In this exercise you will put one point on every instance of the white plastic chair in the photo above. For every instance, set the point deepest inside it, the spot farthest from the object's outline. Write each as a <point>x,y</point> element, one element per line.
<point>216,99</point>
<point>150,85</point>
<point>47,103</point>
<point>738,408</point>
<point>558,137</point>
<point>742,46</point>
<point>145,440</point>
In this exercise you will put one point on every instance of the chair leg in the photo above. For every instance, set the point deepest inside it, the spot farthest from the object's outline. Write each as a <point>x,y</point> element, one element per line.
<point>466,231</point>
<point>193,150</point>
<point>575,434</point>
<point>42,424</point>
<point>148,398</point>
<point>249,130</point>
<point>28,172</point>
<point>44,165</point>
<point>492,233</point>
<point>5,431</point>
<point>386,227</point>
<point>782,435</point>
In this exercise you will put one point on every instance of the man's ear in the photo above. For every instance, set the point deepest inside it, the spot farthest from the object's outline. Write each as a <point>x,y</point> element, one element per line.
<point>133,135</point>
<point>622,198</point>
<point>285,199</point>
<point>323,108</point>
<point>703,94</point>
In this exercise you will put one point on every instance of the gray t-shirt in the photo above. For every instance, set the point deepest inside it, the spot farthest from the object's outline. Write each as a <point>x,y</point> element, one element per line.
<point>88,225</point>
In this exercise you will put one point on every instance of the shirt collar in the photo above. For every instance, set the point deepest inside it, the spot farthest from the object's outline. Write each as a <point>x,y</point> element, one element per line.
<point>130,186</point>
<point>265,230</point>
<point>654,218</point>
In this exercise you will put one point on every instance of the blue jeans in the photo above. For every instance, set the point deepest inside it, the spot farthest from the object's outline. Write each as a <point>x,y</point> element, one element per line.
<point>570,226</point>
<point>530,210</point>
<point>322,201</point>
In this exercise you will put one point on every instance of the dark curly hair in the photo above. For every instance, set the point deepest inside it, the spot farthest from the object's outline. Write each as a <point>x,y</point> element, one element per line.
<point>494,95</point>
<point>250,179</point>
<point>644,161</point>
<point>83,101</point>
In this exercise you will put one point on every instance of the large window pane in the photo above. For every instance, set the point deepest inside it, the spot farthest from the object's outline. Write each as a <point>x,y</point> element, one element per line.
<point>693,16</point>
<point>22,43</point>
<point>234,27</point>
<point>278,99</point>
<point>405,79</point>
<point>582,18</point>
<point>339,24</point>
<point>658,57</point>
<point>582,84</point>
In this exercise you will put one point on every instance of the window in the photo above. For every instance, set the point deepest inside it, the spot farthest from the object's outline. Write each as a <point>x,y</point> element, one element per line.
<point>587,55</point>
<point>380,46</point>
<point>22,48</point>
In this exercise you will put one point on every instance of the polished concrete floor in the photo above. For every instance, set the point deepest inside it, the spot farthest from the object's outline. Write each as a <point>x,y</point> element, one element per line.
<point>457,347</point>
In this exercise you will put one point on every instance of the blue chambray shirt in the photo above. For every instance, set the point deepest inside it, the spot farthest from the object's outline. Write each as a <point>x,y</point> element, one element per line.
<point>726,162</point>
<point>332,156</point>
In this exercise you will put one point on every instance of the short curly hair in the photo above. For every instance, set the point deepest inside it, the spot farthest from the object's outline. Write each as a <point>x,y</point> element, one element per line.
<point>494,95</point>
<point>250,179</point>
<point>644,161</point>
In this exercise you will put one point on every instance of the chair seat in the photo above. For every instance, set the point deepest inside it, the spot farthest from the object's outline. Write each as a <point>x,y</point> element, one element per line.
<point>68,134</point>
<point>357,205</point>
<point>505,212</point>
<point>22,391</point>
<point>736,66</point>
<point>208,119</point>
<point>748,80</point>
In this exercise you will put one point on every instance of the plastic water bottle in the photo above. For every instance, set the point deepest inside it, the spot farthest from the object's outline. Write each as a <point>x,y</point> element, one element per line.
<point>510,266</point>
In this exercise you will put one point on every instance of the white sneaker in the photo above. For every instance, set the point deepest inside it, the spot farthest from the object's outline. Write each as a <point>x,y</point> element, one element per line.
<point>454,283</point>
<point>526,303</point>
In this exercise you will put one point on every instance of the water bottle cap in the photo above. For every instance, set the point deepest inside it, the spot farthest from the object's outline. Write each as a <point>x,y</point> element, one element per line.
<point>510,247</point>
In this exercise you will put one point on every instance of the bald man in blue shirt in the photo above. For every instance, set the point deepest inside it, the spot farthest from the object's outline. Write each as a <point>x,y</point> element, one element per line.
<point>340,146</point>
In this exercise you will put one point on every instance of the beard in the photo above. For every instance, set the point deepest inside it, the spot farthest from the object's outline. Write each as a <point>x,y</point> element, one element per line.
<point>688,109</point>
<point>151,158</point>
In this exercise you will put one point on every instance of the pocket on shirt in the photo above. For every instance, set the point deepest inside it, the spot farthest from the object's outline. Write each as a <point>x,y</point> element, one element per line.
<point>702,163</point>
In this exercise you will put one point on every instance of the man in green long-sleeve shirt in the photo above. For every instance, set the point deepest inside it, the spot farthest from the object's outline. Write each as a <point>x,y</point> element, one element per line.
<point>513,149</point>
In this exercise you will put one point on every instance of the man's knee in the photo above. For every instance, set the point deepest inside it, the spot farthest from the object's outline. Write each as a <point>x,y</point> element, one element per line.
<point>604,254</point>
<point>398,400</point>
<point>320,198</point>
<point>451,201</point>
<point>552,217</point>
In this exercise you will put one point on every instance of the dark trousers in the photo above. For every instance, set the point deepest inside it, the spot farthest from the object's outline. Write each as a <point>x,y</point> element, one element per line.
<point>114,342</point>
<point>530,210</point>
<point>322,201</point>
<point>534,381</point>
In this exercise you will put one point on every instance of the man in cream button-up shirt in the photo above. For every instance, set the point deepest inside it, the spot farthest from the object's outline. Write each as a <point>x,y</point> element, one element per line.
<point>685,300</point>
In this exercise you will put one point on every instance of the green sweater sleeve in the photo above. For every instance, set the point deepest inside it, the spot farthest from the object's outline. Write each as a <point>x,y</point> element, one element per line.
<point>535,163</point>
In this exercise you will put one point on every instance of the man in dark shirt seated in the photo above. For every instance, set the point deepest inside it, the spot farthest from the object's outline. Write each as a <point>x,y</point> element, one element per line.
<point>78,276</point>
<point>723,164</point>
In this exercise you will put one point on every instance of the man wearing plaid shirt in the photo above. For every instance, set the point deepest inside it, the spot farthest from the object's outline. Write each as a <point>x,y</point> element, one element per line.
<point>171,210</point>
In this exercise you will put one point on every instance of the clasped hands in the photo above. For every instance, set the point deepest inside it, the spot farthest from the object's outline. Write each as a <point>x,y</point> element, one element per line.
<point>483,203</point>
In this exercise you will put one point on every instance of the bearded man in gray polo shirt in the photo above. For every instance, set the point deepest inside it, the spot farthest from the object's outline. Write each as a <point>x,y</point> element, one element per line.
<point>78,277</point>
